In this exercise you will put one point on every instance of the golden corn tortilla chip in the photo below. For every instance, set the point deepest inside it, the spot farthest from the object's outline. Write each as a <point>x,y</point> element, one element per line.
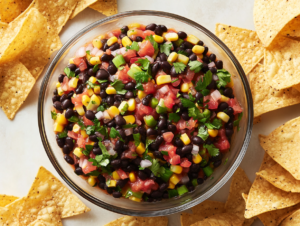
<point>256,120</point>
<point>282,60</point>
<point>208,208</point>
<point>10,9</point>
<point>81,5</point>
<point>7,199</point>
<point>235,202</point>
<point>223,219</point>
<point>139,221</point>
<point>16,83</point>
<point>187,219</point>
<point>292,30</point>
<point>267,98</point>
<point>292,220</point>
<point>280,178</point>
<point>47,187</point>
<point>282,146</point>
<point>244,44</point>
<point>106,7</point>
<point>9,215</point>
<point>270,17</point>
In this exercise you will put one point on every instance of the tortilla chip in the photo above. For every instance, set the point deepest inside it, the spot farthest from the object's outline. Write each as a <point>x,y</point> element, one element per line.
<point>7,199</point>
<point>106,7</point>
<point>187,219</point>
<point>256,120</point>
<point>16,83</point>
<point>282,145</point>
<point>267,98</point>
<point>244,44</point>
<point>9,215</point>
<point>48,187</point>
<point>280,178</point>
<point>223,219</point>
<point>209,208</point>
<point>292,220</point>
<point>282,63</point>
<point>10,9</point>
<point>139,221</point>
<point>292,30</point>
<point>81,5</point>
<point>235,202</point>
<point>270,17</point>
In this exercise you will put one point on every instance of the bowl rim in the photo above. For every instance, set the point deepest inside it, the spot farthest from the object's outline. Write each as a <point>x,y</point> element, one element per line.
<point>170,210</point>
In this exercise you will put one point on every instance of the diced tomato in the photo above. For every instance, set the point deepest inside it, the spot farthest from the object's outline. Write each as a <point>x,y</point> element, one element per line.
<point>139,33</point>
<point>169,148</point>
<point>65,84</point>
<point>123,76</point>
<point>182,124</point>
<point>146,49</point>
<point>81,141</point>
<point>178,80</point>
<point>89,168</point>
<point>77,100</point>
<point>168,137</point>
<point>199,59</point>
<point>129,54</point>
<point>149,87</point>
<point>235,106</point>
<point>87,122</point>
<point>129,154</point>
<point>175,160</point>
<point>145,185</point>
<point>174,91</point>
<point>221,133</point>
<point>134,59</point>
<point>104,65</point>
<point>143,110</point>
<point>189,76</point>
<point>122,174</point>
<point>148,33</point>
<point>143,27</point>
<point>185,162</point>
<point>80,62</point>
<point>116,32</point>
<point>213,105</point>
<point>222,144</point>
<point>92,155</point>
<point>72,135</point>
<point>169,101</point>
<point>108,52</point>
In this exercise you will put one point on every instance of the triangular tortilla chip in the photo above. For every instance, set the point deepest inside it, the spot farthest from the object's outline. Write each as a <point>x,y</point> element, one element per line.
<point>292,220</point>
<point>256,120</point>
<point>81,5</point>
<point>106,7</point>
<point>244,44</point>
<point>139,221</point>
<point>9,215</point>
<point>7,199</point>
<point>267,98</point>
<point>10,9</point>
<point>208,208</point>
<point>223,219</point>
<point>270,17</point>
<point>292,30</point>
<point>187,219</point>
<point>282,145</point>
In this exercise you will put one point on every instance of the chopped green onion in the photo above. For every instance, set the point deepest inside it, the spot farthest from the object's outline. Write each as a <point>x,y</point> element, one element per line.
<point>182,190</point>
<point>172,193</point>
<point>118,60</point>
<point>208,171</point>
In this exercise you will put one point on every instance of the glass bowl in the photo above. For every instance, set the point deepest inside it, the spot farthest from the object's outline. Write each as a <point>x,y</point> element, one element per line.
<point>222,174</point>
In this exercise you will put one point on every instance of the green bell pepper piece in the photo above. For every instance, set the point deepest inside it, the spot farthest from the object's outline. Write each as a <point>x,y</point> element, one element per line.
<point>172,193</point>
<point>182,190</point>
<point>208,171</point>
<point>150,121</point>
<point>154,102</point>
<point>118,61</point>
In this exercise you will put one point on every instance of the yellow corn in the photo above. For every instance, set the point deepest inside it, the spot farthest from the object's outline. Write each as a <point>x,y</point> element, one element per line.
<point>73,82</point>
<point>135,199</point>
<point>198,49</point>
<point>85,100</point>
<point>80,110</point>
<point>176,169</point>
<point>171,37</point>
<point>134,25</point>
<point>92,79</point>
<point>224,99</point>
<point>95,100</point>
<point>132,177</point>
<point>60,119</point>
<point>131,32</point>
<point>58,127</point>
<point>223,116</point>
<point>112,40</point>
<point>185,139</point>
<point>158,38</point>
<point>97,43</point>
<point>126,41</point>
<point>90,92</point>
<point>97,89</point>
<point>95,60</point>
<point>230,84</point>
<point>141,94</point>
<point>57,84</point>
<point>115,175</point>
<point>113,111</point>
<point>111,90</point>
<point>163,79</point>
<point>184,87</point>
<point>76,128</point>
<point>174,179</point>
<point>171,185</point>
<point>77,151</point>
<point>71,61</point>
<point>130,119</point>
<point>102,37</point>
<point>200,56</point>
<point>83,134</point>
<point>60,91</point>
<point>197,159</point>
<point>112,183</point>
<point>172,57</point>
<point>212,132</point>
<point>192,39</point>
<point>164,35</point>
<point>151,154</point>
<point>92,181</point>
<point>131,104</point>
<point>140,149</point>
<point>183,59</point>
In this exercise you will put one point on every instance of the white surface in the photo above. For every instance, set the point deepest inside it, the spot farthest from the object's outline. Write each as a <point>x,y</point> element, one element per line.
<point>22,150</point>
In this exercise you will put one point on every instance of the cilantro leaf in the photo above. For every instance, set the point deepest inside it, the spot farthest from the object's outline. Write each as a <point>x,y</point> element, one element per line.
<point>139,86</point>
<point>202,133</point>
<point>215,124</point>
<point>102,107</point>
<point>155,166</point>
<point>224,78</point>
<point>145,63</point>
<point>115,133</point>
<point>63,134</point>
<point>174,117</point>
<point>137,139</point>
<point>134,46</point>
<point>182,52</point>
<point>175,81</point>
<point>164,152</point>
<point>95,68</point>
<point>88,52</point>
<point>118,85</point>
<point>90,130</point>
<point>152,41</point>
<point>87,150</point>
<point>166,48</point>
<point>205,92</point>
<point>187,103</point>
<point>195,66</point>
<point>69,73</point>
<point>141,77</point>
<point>179,67</point>
<point>202,84</point>
<point>53,115</point>
<point>93,173</point>
<point>102,81</point>
<point>103,149</point>
<point>212,150</point>
<point>191,97</point>
<point>129,126</point>
<point>237,122</point>
<point>102,130</point>
<point>73,119</point>
<point>122,92</point>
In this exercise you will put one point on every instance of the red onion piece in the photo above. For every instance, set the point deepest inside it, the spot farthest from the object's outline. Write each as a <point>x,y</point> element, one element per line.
<point>211,64</point>
<point>128,131</point>
<point>150,59</point>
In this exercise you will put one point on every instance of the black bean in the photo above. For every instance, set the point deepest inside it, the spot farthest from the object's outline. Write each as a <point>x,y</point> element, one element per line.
<point>151,132</point>
<point>55,92</point>
<point>146,101</point>
<point>102,185</point>
<point>163,57</point>
<point>158,141</point>
<point>78,170</point>
<point>97,151</point>
<point>93,138</point>
<point>112,69</point>
<point>165,195</point>
<point>212,85</point>
<point>189,52</point>
<point>72,67</point>
<point>61,78</point>
<point>165,65</point>
<point>205,50</point>
<point>189,157</point>
<point>117,194</point>
<point>124,29</point>
<point>102,74</point>
<point>222,106</point>
<point>173,72</point>
<point>158,31</point>
<point>212,57</point>
<point>178,142</point>
<point>137,161</point>
<point>66,149</point>
<point>66,104</point>
<point>197,140</point>
<point>109,190</point>
<point>69,113</point>
<point>192,175</point>
<point>117,103</point>
<point>90,115</point>
<point>163,187</point>
<point>187,149</point>
<point>116,163</point>
<point>200,181</point>
<point>142,175</point>
<point>77,71</point>
<point>103,94</point>
<point>69,159</point>
<point>70,95</point>
<point>120,121</point>
<point>193,57</point>
<point>187,45</point>
<point>124,163</point>
<point>229,111</point>
<point>122,183</point>
<point>104,85</point>
<point>213,70</point>
<point>228,92</point>
<point>119,145</point>
<point>111,123</point>
<point>208,141</point>
<point>156,194</point>
<point>114,46</point>
<point>103,41</point>
<point>219,64</point>
<point>195,168</point>
<point>122,133</point>
<point>204,67</point>
<point>217,163</point>
<point>191,188</point>
<point>163,28</point>
<point>55,98</point>
<point>110,100</point>
<point>151,27</point>
<point>129,86</point>
<point>229,125</point>
<point>200,43</point>
<point>63,97</point>
<point>85,77</point>
<point>96,145</point>
<point>162,124</point>
<point>228,132</point>
<point>105,47</point>
<point>172,128</point>
<point>185,116</point>
<point>70,142</point>
<point>179,152</point>
<point>79,89</point>
<point>57,105</point>
<point>139,39</point>
<point>131,168</point>
<point>198,96</point>
<point>121,36</point>
<point>155,68</point>
<point>129,95</point>
<point>182,34</point>
<point>105,57</point>
<point>69,126</point>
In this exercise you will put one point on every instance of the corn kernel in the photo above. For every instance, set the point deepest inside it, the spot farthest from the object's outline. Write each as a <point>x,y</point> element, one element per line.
<point>171,37</point>
<point>230,84</point>
<point>174,179</point>
<point>60,119</point>
<point>132,177</point>
<point>115,175</point>
<point>113,111</point>
<point>224,99</point>
<point>73,82</point>
<point>97,43</point>
<point>131,32</point>
<point>95,60</point>
<point>58,127</point>
<point>158,38</point>
<point>172,57</point>
<point>185,139</point>
<point>134,25</point>
<point>200,56</point>
<point>102,37</point>
<point>90,92</point>
<point>192,39</point>
<point>111,90</point>
<point>140,149</point>
<point>183,59</point>
<point>91,181</point>
<point>57,84</point>
<point>184,87</point>
<point>126,41</point>
<point>176,169</point>
<point>71,61</point>
<point>80,110</point>
<point>130,119</point>
<point>197,159</point>
<point>97,89</point>
<point>76,128</point>
<point>141,94</point>
<point>223,116</point>
<point>85,100</point>
<point>60,91</point>
<point>198,49</point>
<point>112,40</point>
<point>164,35</point>
<point>163,79</point>
<point>112,183</point>
<point>83,134</point>
<point>77,151</point>
<point>96,100</point>
<point>212,132</point>
<point>131,104</point>
<point>135,199</point>
<point>92,79</point>
<point>171,185</point>
<point>151,155</point>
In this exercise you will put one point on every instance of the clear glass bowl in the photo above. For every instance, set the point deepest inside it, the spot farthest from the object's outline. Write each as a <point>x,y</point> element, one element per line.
<point>221,175</point>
